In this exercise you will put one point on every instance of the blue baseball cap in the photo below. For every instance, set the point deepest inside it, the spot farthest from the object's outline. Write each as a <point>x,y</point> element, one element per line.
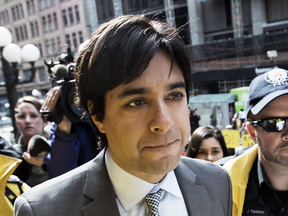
<point>265,88</point>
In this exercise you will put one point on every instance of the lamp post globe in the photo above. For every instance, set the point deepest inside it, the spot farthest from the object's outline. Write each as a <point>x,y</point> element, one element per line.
<point>5,36</point>
<point>30,53</point>
<point>12,53</point>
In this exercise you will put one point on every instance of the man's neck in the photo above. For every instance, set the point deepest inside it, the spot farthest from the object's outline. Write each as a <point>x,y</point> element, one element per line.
<point>277,174</point>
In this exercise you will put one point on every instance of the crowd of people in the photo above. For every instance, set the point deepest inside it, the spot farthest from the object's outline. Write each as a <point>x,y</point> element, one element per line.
<point>72,144</point>
<point>127,159</point>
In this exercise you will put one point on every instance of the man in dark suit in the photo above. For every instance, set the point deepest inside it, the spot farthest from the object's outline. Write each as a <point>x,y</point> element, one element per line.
<point>133,77</point>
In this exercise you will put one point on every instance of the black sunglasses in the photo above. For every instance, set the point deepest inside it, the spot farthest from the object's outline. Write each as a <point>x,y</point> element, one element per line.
<point>272,124</point>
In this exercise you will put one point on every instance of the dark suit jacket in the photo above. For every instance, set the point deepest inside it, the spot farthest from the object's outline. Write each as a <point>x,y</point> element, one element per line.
<point>87,190</point>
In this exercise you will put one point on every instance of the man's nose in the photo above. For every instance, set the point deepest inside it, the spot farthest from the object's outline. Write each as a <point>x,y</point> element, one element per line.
<point>161,120</point>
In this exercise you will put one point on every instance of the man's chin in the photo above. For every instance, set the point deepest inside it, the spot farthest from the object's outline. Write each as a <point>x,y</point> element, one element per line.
<point>163,165</point>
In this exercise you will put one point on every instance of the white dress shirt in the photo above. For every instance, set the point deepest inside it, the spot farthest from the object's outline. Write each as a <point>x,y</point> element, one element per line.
<point>130,192</point>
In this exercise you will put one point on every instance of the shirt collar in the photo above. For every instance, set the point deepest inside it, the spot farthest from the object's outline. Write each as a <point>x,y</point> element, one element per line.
<point>262,176</point>
<point>130,189</point>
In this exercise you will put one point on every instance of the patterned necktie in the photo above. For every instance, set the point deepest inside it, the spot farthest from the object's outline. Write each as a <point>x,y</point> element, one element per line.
<point>153,201</point>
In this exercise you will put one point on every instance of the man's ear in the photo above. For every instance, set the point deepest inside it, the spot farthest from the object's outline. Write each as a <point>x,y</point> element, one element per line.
<point>99,124</point>
<point>251,131</point>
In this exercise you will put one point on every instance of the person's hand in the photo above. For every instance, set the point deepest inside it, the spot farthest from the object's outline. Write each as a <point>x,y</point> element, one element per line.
<point>51,98</point>
<point>38,161</point>
<point>49,103</point>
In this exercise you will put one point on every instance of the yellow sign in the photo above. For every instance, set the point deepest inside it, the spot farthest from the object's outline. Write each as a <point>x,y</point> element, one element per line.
<point>231,138</point>
<point>246,140</point>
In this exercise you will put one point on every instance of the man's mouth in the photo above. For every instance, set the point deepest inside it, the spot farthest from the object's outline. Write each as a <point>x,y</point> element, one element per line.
<point>162,145</point>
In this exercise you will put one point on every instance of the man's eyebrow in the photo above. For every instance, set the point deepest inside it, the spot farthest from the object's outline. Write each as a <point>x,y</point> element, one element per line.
<point>134,91</point>
<point>180,84</point>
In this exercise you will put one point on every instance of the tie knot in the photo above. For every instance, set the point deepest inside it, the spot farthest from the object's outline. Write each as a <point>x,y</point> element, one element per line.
<point>153,201</point>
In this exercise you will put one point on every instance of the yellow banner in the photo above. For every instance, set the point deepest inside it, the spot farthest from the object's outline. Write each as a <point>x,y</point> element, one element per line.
<point>231,138</point>
<point>246,140</point>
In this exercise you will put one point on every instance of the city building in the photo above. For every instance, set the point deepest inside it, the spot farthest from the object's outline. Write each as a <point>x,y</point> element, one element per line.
<point>51,25</point>
<point>241,39</point>
<point>227,40</point>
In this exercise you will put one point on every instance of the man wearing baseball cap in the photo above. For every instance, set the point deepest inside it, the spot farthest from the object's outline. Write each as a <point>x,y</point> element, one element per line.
<point>260,175</point>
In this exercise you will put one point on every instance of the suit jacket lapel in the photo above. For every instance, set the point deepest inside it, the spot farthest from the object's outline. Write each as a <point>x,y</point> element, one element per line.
<point>99,189</point>
<point>195,195</point>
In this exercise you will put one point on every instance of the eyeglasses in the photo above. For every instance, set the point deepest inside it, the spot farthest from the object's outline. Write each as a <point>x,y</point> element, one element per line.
<point>271,124</point>
<point>22,116</point>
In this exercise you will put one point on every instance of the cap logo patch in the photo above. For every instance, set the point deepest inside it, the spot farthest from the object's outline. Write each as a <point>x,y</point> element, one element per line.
<point>277,77</point>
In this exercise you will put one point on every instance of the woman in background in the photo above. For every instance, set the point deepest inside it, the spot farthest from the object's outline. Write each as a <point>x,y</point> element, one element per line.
<point>29,123</point>
<point>207,143</point>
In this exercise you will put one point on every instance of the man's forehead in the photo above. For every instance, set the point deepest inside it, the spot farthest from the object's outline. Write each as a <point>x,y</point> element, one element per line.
<point>129,90</point>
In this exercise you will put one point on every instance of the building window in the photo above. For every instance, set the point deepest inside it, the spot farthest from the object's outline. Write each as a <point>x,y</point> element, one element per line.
<point>77,15</point>
<point>21,11</point>
<point>7,20</point>
<point>25,32</point>
<point>44,24</point>
<point>276,10</point>
<point>58,43</point>
<point>216,15</point>
<point>17,34</point>
<point>105,9</point>
<point>42,74</point>
<point>17,13</point>
<point>41,4</point>
<point>70,15</point>
<point>27,73</point>
<point>55,20</point>
<point>28,7</point>
<point>47,3</point>
<point>3,18</point>
<point>21,33</point>
<point>53,46</point>
<point>50,24</point>
<point>40,48</point>
<point>36,28</point>
<point>2,22</point>
<point>13,13</point>
<point>74,38</point>
<point>64,16</point>
<point>32,29</point>
<point>68,40</point>
<point>33,6</point>
<point>48,48</point>
<point>80,37</point>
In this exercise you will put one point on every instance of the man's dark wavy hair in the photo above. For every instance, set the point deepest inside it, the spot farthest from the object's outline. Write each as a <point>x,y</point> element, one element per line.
<point>118,52</point>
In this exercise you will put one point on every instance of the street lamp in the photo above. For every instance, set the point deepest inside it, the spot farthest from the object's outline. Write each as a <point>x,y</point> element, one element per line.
<point>12,53</point>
